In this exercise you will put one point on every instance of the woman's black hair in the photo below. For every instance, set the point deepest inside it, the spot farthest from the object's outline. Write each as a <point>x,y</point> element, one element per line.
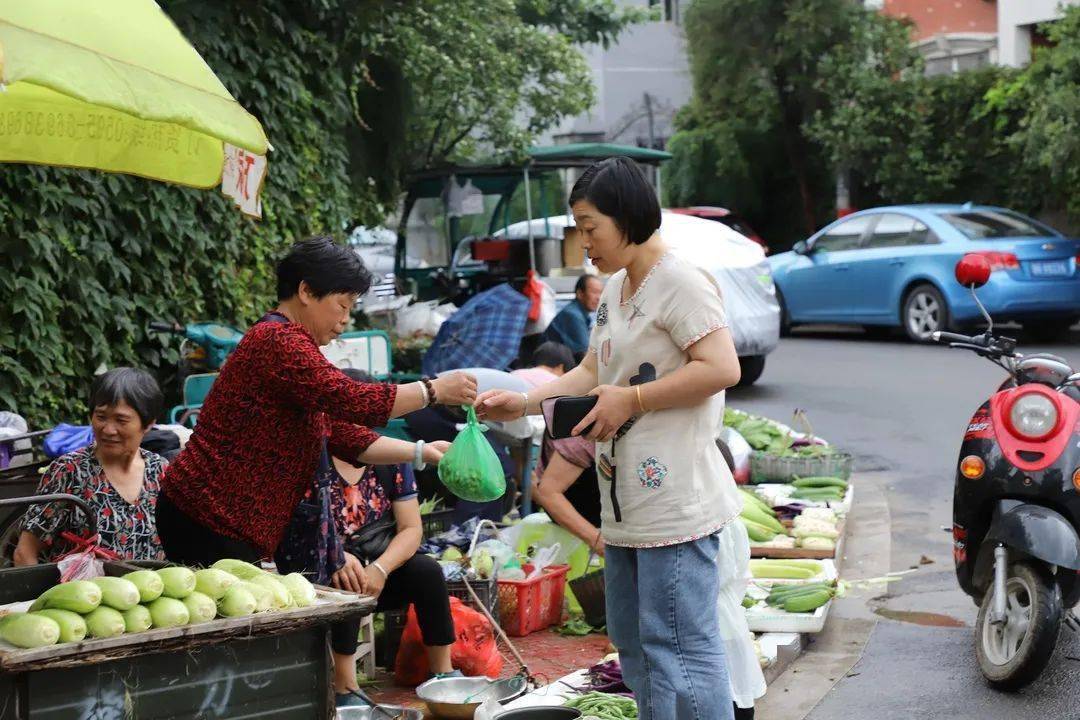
<point>325,266</point>
<point>359,375</point>
<point>553,354</point>
<point>619,189</point>
<point>135,387</point>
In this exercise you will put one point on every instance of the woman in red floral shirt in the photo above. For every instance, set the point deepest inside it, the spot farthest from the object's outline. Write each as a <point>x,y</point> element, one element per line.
<point>117,478</point>
<point>277,412</point>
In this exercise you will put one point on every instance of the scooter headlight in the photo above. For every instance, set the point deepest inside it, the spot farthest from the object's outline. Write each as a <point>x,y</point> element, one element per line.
<point>1033,416</point>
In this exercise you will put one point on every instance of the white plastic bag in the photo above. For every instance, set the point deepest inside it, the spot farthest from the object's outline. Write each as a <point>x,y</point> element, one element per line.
<point>733,563</point>
<point>80,566</point>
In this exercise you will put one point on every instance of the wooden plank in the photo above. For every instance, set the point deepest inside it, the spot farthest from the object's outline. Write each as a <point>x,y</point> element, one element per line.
<point>329,607</point>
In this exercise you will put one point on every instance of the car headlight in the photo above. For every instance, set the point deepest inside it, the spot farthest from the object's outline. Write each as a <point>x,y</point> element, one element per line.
<point>1033,416</point>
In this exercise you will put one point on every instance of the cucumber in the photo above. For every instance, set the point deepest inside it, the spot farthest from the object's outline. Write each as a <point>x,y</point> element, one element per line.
<point>780,591</point>
<point>807,603</point>
<point>820,482</point>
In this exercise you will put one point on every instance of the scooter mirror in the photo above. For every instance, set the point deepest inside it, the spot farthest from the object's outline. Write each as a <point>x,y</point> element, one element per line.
<point>973,271</point>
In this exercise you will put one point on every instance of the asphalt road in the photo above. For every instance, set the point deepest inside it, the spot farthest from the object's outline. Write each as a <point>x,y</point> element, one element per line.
<point>903,408</point>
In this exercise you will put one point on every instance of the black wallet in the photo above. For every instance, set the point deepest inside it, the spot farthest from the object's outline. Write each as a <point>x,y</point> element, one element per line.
<point>568,412</point>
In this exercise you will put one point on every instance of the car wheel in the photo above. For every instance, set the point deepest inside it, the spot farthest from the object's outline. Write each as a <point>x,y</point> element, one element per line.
<point>785,319</point>
<point>752,366</point>
<point>924,313</point>
<point>1047,330</point>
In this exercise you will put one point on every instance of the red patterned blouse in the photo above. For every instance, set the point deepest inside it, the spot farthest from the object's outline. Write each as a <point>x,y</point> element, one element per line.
<point>257,443</point>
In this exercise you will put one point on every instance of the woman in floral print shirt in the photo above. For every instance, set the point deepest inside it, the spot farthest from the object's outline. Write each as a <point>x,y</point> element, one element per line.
<point>114,476</point>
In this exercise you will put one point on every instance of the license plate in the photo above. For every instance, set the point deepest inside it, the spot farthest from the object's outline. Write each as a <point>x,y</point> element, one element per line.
<point>1058,268</point>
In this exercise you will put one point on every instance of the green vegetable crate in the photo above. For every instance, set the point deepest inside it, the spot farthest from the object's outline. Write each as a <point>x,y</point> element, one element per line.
<point>273,665</point>
<point>769,468</point>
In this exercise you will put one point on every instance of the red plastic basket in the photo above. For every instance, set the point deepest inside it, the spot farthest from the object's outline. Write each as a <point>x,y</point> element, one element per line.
<point>526,606</point>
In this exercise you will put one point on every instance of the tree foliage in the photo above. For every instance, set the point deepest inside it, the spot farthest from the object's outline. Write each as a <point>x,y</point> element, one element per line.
<point>351,93</point>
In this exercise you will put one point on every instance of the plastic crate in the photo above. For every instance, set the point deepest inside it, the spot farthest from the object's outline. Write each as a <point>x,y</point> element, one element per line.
<point>437,522</point>
<point>526,606</point>
<point>394,620</point>
<point>767,468</point>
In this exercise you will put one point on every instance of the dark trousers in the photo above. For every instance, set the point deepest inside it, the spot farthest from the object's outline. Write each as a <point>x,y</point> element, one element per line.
<point>419,582</point>
<point>188,542</point>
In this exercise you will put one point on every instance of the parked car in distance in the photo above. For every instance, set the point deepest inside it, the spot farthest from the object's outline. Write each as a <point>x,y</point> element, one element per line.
<point>893,266</point>
<point>723,215</point>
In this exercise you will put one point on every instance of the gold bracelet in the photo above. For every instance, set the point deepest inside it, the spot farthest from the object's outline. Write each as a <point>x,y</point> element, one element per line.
<point>641,404</point>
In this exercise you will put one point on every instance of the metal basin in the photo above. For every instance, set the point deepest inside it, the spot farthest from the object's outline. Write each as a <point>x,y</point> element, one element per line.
<point>540,713</point>
<point>458,698</point>
<point>366,713</point>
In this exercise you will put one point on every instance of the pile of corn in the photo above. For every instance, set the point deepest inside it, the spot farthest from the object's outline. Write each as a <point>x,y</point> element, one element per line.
<point>170,597</point>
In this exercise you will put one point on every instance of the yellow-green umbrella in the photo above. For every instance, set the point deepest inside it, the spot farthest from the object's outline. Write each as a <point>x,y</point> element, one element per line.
<point>114,85</point>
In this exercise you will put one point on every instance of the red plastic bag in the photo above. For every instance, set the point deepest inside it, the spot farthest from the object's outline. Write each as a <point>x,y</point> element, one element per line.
<point>535,292</point>
<point>474,652</point>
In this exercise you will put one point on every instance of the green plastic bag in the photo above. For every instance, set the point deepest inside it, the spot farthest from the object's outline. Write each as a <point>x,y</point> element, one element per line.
<point>470,468</point>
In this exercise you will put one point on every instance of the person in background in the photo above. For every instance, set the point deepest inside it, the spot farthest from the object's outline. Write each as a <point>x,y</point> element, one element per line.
<point>277,413</point>
<point>550,361</point>
<point>566,486</point>
<point>117,478</point>
<point>571,326</point>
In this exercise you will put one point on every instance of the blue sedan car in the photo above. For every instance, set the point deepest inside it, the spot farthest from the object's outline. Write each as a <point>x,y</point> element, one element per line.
<point>893,266</point>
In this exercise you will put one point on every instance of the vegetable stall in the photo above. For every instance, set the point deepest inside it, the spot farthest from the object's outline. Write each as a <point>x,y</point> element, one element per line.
<point>155,641</point>
<point>797,491</point>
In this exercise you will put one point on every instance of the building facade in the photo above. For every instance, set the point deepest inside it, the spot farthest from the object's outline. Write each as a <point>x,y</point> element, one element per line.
<point>1018,27</point>
<point>951,35</point>
<point>641,81</point>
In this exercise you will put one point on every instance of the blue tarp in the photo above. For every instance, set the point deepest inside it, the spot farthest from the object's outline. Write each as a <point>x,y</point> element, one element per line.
<point>485,332</point>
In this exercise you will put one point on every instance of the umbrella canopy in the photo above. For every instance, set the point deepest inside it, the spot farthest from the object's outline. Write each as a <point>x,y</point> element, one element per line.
<point>115,86</point>
<point>485,332</point>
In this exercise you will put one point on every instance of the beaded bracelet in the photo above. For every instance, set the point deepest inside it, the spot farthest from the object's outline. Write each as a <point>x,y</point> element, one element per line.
<point>433,398</point>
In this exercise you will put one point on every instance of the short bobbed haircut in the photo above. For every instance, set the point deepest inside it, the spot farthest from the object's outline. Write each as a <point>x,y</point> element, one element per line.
<point>619,189</point>
<point>135,387</point>
<point>325,266</point>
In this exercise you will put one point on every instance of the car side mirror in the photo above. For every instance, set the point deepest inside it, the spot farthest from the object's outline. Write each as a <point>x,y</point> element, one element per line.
<point>973,271</point>
<point>801,248</point>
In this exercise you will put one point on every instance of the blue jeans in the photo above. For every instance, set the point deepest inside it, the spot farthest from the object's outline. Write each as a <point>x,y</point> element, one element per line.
<point>661,615</point>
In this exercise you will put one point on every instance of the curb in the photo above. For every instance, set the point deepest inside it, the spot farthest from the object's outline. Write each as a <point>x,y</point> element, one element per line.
<point>831,654</point>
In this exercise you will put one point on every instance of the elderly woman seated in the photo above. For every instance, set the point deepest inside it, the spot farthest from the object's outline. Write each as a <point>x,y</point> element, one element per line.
<point>117,478</point>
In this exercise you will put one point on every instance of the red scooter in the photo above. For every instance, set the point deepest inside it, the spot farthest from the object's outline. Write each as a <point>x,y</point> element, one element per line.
<point>1016,503</point>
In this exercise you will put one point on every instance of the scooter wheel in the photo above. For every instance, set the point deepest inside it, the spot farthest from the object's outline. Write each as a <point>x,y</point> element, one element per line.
<point>1014,653</point>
